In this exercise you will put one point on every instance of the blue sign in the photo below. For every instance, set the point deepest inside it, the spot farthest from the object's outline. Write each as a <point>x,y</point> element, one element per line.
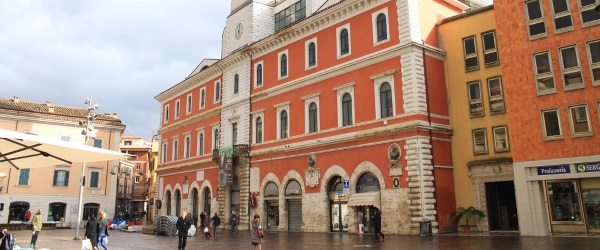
<point>588,167</point>
<point>562,169</point>
<point>346,186</point>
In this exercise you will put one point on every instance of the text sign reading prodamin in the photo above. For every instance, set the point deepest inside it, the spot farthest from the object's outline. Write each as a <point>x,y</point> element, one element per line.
<point>562,169</point>
<point>588,167</point>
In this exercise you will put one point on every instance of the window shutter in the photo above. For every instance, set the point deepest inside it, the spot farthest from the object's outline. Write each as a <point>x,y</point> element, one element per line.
<point>55,178</point>
<point>66,178</point>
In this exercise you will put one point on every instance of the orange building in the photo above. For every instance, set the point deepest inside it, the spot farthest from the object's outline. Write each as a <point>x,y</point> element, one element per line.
<point>550,63</point>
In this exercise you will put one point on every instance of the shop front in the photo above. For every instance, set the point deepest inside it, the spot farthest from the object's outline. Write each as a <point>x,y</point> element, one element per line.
<point>366,201</point>
<point>272,206</point>
<point>338,202</point>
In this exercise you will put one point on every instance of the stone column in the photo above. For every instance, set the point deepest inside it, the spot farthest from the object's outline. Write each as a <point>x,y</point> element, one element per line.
<point>420,182</point>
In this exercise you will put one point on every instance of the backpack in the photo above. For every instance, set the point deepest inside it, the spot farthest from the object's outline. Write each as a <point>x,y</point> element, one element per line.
<point>10,241</point>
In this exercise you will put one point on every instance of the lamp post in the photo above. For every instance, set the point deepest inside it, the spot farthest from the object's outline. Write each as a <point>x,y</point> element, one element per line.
<point>88,133</point>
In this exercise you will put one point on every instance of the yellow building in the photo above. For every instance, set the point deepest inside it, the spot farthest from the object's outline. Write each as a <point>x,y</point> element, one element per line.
<point>55,189</point>
<point>482,160</point>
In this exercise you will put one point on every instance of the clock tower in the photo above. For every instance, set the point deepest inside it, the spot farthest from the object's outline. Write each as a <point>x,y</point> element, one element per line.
<point>249,21</point>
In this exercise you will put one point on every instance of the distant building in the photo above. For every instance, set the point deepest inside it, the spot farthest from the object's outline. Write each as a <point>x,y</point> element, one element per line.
<point>55,189</point>
<point>134,182</point>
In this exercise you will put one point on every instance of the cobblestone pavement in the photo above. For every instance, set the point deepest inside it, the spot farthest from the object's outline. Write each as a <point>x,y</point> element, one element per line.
<point>63,239</point>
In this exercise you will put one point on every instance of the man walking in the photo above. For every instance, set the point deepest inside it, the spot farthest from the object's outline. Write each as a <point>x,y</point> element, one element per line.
<point>183,225</point>
<point>234,221</point>
<point>202,217</point>
<point>36,223</point>
<point>377,222</point>
<point>216,222</point>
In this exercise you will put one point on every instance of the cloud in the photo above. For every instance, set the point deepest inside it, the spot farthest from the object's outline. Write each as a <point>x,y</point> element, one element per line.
<point>120,52</point>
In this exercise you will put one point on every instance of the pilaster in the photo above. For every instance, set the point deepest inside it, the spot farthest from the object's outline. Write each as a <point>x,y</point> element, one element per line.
<point>420,181</point>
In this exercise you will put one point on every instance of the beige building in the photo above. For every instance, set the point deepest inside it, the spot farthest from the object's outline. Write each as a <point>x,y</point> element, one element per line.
<point>133,184</point>
<point>55,189</point>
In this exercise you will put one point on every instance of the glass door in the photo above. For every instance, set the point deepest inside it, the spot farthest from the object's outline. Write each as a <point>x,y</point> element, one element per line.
<point>591,201</point>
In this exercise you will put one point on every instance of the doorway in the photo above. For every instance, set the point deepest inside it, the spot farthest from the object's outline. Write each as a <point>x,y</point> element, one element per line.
<point>56,211</point>
<point>502,206</point>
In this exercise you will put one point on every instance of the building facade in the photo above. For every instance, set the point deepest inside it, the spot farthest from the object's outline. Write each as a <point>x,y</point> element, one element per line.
<point>135,183</point>
<point>50,188</point>
<point>550,54</point>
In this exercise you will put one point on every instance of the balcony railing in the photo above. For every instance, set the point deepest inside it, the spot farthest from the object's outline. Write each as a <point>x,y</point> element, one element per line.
<point>235,151</point>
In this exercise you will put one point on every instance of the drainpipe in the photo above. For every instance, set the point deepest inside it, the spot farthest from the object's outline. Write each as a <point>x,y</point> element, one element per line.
<point>430,126</point>
<point>250,140</point>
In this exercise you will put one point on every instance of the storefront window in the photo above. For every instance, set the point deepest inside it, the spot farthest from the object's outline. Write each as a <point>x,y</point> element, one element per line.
<point>564,201</point>
<point>591,199</point>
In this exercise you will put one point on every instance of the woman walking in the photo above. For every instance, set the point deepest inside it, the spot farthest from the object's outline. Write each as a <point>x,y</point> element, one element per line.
<point>102,231</point>
<point>257,232</point>
<point>91,231</point>
<point>207,227</point>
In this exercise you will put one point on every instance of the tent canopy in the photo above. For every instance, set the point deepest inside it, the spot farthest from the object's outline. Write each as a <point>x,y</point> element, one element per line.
<point>365,199</point>
<point>20,150</point>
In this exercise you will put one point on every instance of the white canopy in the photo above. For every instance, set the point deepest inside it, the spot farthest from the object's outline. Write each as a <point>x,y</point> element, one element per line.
<point>365,199</point>
<point>22,150</point>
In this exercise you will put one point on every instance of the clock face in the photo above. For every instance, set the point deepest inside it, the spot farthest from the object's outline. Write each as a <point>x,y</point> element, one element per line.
<point>238,31</point>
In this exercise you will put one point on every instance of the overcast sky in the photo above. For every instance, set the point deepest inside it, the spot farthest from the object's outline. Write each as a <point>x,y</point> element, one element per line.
<point>120,52</point>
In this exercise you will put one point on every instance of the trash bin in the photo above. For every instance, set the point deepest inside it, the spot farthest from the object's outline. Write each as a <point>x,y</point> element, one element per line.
<point>425,228</point>
<point>361,228</point>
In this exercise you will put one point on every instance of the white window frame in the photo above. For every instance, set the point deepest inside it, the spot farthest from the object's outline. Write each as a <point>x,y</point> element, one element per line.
<point>560,15</point>
<point>200,131</point>
<point>174,150</point>
<point>261,63</point>
<point>535,21</point>
<point>538,76</point>
<point>138,167</point>
<point>587,8</point>
<point>307,101</point>
<point>374,16</point>
<point>507,149</point>
<point>341,91</point>
<point>490,51</point>
<point>214,143</point>
<point>475,101</point>
<point>234,133</point>
<point>202,99</point>
<point>486,150</point>
<point>187,147</point>
<point>338,31</point>
<point>68,137</point>
<point>379,80</point>
<point>234,83</point>
<point>60,168</point>
<point>279,55</point>
<point>470,56</point>
<point>596,65</point>
<point>166,114</point>
<point>577,117</point>
<point>494,98</point>
<point>188,104</point>
<point>165,149</point>
<point>279,108</point>
<point>572,69</point>
<point>255,115</point>
<point>137,179</point>
<point>177,109</point>
<point>217,96</point>
<point>556,137</point>
<point>99,174</point>
<point>306,54</point>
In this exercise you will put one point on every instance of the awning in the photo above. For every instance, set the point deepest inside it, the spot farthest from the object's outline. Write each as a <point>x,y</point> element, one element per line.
<point>365,199</point>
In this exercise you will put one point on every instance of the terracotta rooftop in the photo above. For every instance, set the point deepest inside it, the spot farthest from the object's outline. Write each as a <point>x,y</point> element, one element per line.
<point>48,110</point>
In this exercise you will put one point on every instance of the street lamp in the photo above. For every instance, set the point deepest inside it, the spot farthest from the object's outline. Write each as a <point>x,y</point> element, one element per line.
<point>88,133</point>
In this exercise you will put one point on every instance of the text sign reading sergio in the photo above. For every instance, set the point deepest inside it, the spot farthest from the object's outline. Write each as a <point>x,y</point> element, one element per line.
<point>588,167</point>
<point>562,169</point>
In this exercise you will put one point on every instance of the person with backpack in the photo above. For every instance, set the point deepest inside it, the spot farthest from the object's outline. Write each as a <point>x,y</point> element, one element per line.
<point>216,222</point>
<point>8,240</point>
<point>36,223</point>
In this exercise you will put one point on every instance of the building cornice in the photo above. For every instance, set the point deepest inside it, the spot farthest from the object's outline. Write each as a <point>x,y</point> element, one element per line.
<point>191,120</point>
<point>57,122</point>
<point>200,78</point>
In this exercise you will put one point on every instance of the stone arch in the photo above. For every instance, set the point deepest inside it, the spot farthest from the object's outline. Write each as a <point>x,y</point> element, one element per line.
<point>174,200</point>
<point>362,168</point>
<point>334,170</point>
<point>260,200</point>
<point>168,189</point>
<point>270,177</point>
<point>194,186</point>
<point>213,200</point>
<point>292,175</point>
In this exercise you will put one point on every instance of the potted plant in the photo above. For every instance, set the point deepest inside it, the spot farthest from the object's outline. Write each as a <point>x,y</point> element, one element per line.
<point>466,214</point>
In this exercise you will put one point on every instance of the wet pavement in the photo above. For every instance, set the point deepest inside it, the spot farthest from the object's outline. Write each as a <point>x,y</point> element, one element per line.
<point>63,239</point>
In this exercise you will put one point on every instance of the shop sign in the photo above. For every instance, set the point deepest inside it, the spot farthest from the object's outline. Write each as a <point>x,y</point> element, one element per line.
<point>562,169</point>
<point>346,186</point>
<point>588,167</point>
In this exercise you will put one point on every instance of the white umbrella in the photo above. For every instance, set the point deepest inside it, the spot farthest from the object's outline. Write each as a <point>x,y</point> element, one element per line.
<point>30,151</point>
<point>2,176</point>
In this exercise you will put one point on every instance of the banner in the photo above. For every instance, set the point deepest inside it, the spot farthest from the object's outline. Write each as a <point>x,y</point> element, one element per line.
<point>225,170</point>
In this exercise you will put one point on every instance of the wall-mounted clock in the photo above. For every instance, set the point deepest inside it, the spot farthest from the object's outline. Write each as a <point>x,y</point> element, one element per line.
<point>239,29</point>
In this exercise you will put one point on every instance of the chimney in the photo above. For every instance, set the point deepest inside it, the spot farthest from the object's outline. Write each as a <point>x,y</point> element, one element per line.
<point>49,103</point>
<point>16,99</point>
<point>50,106</point>
<point>107,113</point>
<point>115,115</point>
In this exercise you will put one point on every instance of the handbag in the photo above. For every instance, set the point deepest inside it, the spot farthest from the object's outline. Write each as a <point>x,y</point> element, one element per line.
<point>206,230</point>
<point>86,244</point>
<point>261,234</point>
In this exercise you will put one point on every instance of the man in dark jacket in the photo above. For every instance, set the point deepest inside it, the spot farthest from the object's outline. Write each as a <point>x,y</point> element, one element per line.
<point>216,222</point>
<point>183,225</point>
<point>377,222</point>
<point>91,231</point>
<point>202,217</point>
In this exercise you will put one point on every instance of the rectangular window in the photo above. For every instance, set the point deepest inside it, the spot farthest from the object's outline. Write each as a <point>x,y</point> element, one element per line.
<point>290,15</point>
<point>177,107</point>
<point>200,143</point>
<point>137,179</point>
<point>500,139</point>
<point>470,52</point>
<point>202,97</point>
<point>166,115</point>
<point>189,104</point>
<point>61,178</point>
<point>571,68</point>
<point>479,142</point>
<point>496,95</point>
<point>24,176</point>
<point>138,167</point>
<point>589,16</point>
<point>98,143</point>
<point>593,49</point>
<point>564,201</point>
<point>551,124</point>
<point>234,131</point>
<point>490,52</point>
<point>94,179</point>
<point>164,153</point>
<point>544,77</point>
<point>535,19</point>
<point>475,99</point>
<point>175,149</point>
<point>579,120</point>
<point>65,138</point>
<point>561,15</point>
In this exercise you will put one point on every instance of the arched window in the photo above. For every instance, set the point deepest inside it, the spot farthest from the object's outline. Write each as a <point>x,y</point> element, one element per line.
<point>385,99</point>
<point>195,198</point>
<point>367,183</point>
<point>200,143</point>
<point>335,185</point>
<point>271,190</point>
<point>168,202</point>
<point>283,65</point>
<point>347,110</point>
<point>177,202</point>
<point>175,150</point>
<point>259,75</point>
<point>218,92</point>
<point>312,118</point>
<point>187,147</point>
<point>293,188</point>
<point>344,43</point>
<point>381,28</point>
<point>236,84</point>
<point>206,205</point>
<point>283,133</point>
<point>312,54</point>
<point>259,125</point>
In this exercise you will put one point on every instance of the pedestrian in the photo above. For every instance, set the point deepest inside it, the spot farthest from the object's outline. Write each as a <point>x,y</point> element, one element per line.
<point>7,242</point>
<point>183,225</point>
<point>91,231</point>
<point>189,217</point>
<point>234,221</point>
<point>202,217</point>
<point>257,232</point>
<point>28,215</point>
<point>102,231</point>
<point>216,222</point>
<point>207,227</point>
<point>36,223</point>
<point>377,222</point>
